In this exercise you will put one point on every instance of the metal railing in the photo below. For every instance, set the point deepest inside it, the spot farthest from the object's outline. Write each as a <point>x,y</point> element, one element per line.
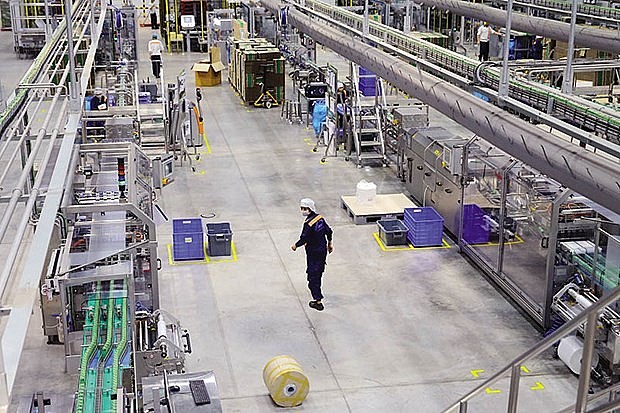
<point>514,367</point>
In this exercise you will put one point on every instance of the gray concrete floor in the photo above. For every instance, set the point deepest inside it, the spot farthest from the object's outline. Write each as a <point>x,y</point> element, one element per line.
<point>402,330</point>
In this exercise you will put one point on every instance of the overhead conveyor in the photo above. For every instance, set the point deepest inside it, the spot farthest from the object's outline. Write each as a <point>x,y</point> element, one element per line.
<point>456,68</point>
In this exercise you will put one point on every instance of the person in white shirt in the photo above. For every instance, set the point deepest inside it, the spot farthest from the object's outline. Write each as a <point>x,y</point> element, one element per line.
<point>155,50</point>
<point>484,35</point>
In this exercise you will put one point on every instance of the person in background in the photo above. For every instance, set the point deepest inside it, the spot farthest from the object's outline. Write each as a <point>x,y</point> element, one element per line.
<point>484,36</point>
<point>99,101</point>
<point>155,50</point>
<point>154,12</point>
<point>316,236</point>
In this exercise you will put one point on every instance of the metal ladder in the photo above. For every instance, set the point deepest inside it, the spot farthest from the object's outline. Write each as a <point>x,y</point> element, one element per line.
<point>367,127</point>
<point>590,317</point>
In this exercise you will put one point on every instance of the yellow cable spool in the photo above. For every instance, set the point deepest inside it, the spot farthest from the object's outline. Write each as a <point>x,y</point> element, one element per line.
<point>287,384</point>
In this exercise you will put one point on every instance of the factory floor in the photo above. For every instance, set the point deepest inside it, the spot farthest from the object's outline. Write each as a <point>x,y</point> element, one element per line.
<point>402,331</point>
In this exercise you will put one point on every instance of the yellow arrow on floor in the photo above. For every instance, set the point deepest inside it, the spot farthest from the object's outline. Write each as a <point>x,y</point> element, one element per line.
<point>525,369</point>
<point>539,386</point>
<point>492,391</point>
<point>476,373</point>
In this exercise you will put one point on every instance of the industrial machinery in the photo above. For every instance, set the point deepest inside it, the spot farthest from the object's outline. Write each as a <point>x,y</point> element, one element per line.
<point>444,63</point>
<point>100,296</point>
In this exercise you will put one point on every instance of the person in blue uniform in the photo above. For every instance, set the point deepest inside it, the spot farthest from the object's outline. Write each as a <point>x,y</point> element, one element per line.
<point>316,236</point>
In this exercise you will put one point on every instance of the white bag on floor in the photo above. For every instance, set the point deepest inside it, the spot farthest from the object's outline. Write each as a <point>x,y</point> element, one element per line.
<point>365,192</point>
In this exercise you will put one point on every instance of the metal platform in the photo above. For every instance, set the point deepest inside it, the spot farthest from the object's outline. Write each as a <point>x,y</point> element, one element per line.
<point>384,206</point>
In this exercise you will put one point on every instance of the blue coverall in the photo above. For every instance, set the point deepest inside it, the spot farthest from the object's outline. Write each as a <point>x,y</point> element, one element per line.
<point>314,236</point>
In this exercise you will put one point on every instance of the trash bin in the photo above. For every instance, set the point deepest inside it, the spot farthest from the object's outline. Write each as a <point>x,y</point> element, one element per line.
<point>219,239</point>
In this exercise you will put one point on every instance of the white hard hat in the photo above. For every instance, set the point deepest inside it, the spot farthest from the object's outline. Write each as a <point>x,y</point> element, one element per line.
<point>340,84</point>
<point>307,203</point>
<point>98,91</point>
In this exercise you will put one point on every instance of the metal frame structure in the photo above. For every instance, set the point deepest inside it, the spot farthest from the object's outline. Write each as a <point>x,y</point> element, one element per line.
<point>589,174</point>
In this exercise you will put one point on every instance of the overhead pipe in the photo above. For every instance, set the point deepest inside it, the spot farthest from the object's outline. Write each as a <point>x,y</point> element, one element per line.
<point>595,38</point>
<point>575,167</point>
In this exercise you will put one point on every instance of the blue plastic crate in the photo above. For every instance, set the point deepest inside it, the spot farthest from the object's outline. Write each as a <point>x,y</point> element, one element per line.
<point>187,226</point>
<point>219,237</point>
<point>188,247</point>
<point>476,229</point>
<point>425,226</point>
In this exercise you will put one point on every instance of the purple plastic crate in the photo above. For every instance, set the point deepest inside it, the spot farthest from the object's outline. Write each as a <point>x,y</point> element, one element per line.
<point>188,247</point>
<point>363,71</point>
<point>476,228</point>
<point>425,226</point>
<point>187,226</point>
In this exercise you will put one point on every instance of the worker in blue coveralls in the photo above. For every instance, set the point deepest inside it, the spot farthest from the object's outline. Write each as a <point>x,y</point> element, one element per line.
<point>316,236</point>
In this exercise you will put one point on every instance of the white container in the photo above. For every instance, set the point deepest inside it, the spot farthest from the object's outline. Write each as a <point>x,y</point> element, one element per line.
<point>570,351</point>
<point>365,192</point>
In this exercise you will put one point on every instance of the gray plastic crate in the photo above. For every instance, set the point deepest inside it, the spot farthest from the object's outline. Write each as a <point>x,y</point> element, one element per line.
<point>392,232</point>
<point>219,236</point>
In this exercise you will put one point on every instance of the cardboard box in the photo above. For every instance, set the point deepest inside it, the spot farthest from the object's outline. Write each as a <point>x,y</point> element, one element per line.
<point>240,29</point>
<point>209,72</point>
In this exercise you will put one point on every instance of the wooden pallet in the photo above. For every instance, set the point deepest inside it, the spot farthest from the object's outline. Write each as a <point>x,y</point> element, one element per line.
<point>384,206</point>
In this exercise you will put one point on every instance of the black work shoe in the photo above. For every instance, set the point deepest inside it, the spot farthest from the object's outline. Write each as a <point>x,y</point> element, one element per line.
<point>316,305</point>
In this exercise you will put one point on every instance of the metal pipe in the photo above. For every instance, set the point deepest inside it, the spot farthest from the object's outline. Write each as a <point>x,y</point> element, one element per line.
<point>9,162</point>
<point>513,393</point>
<point>18,190</point>
<point>582,171</point>
<point>11,259</point>
<point>567,82</point>
<point>73,89</point>
<point>586,364</point>
<point>600,39</point>
<point>504,75</point>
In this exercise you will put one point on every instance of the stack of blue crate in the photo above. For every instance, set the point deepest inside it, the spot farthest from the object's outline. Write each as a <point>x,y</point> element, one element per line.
<point>425,226</point>
<point>187,239</point>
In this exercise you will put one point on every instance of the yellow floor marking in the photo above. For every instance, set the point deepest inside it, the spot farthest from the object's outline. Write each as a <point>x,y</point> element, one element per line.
<point>206,141</point>
<point>495,244</point>
<point>233,251</point>
<point>175,263</point>
<point>492,391</point>
<point>476,373</point>
<point>409,247</point>
<point>525,369</point>
<point>539,386</point>
<point>206,260</point>
<point>199,173</point>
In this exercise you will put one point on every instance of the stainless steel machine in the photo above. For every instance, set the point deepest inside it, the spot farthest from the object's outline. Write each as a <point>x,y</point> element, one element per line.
<point>100,297</point>
<point>552,251</point>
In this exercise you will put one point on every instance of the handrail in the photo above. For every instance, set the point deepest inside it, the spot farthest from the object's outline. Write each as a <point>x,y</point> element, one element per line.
<point>594,397</point>
<point>537,349</point>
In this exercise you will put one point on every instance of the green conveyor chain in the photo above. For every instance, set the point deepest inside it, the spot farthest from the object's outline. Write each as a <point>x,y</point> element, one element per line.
<point>609,277</point>
<point>454,61</point>
<point>92,323</point>
<point>34,70</point>
<point>120,349</point>
<point>105,390</point>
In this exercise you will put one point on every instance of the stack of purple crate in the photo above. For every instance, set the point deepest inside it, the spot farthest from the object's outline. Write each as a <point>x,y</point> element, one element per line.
<point>476,228</point>
<point>368,82</point>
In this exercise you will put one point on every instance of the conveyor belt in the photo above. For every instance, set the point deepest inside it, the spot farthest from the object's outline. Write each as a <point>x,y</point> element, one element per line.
<point>586,9</point>
<point>603,121</point>
<point>102,364</point>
